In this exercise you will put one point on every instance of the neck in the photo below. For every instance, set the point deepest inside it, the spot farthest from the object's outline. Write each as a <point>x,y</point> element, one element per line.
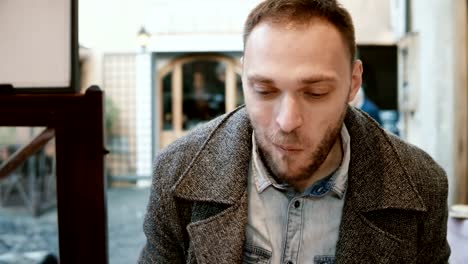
<point>331,163</point>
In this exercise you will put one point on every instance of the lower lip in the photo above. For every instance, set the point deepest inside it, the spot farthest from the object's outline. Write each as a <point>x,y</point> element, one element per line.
<point>287,151</point>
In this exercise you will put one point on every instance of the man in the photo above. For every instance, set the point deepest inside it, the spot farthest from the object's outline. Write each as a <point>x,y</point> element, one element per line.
<point>296,176</point>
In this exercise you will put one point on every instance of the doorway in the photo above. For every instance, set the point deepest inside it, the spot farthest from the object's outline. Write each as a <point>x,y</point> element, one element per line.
<point>194,89</point>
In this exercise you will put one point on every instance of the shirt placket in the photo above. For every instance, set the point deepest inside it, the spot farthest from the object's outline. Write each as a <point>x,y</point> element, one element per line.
<point>293,236</point>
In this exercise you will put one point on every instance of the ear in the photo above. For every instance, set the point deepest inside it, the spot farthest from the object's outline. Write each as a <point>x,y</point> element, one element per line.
<point>241,60</point>
<point>356,79</point>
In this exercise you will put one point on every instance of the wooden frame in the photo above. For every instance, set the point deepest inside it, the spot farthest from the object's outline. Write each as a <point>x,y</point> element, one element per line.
<point>461,102</point>
<point>175,66</point>
<point>81,198</point>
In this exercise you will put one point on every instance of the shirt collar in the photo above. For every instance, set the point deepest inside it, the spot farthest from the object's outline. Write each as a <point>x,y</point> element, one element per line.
<point>337,181</point>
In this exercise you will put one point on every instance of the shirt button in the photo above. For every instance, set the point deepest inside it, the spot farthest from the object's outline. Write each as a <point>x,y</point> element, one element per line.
<point>296,205</point>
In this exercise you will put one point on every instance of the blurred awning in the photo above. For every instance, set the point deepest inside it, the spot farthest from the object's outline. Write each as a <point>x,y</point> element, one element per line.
<point>194,27</point>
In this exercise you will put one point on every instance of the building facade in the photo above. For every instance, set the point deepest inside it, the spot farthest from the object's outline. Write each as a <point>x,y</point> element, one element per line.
<point>189,70</point>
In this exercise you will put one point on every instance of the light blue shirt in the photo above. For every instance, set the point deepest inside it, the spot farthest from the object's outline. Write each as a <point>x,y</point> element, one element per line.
<point>289,227</point>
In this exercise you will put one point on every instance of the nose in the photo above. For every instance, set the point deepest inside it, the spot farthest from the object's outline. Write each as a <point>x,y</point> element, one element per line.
<point>289,116</point>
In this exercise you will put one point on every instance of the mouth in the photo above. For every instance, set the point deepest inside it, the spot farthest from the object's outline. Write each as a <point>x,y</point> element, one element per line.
<point>288,149</point>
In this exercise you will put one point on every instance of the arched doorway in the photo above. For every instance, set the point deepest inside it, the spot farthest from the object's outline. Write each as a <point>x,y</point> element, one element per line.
<point>194,89</point>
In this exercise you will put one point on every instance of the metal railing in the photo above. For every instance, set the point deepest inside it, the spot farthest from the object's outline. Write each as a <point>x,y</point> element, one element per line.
<point>31,195</point>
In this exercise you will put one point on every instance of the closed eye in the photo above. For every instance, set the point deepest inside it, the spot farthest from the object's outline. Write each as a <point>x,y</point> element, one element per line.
<point>264,91</point>
<point>315,95</point>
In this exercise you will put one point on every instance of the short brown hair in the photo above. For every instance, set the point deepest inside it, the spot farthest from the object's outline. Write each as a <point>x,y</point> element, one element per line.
<point>302,12</point>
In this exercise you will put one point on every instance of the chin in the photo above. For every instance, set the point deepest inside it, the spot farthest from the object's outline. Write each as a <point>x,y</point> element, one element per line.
<point>288,174</point>
<point>288,177</point>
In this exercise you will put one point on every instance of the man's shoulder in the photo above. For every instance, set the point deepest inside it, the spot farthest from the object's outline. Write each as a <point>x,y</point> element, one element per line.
<point>395,151</point>
<point>178,155</point>
<point>413,155</point>
<point>424,171</point>
<point>188,145</point>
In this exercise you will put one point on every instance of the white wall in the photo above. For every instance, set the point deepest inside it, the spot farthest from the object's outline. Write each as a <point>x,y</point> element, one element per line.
<point>110,25</point>
<point>377,22</point>
<point>433,125</point>
<point>209,25</point>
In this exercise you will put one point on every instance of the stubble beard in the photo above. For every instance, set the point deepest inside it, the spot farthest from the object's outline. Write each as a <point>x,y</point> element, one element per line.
<point>317,157</point>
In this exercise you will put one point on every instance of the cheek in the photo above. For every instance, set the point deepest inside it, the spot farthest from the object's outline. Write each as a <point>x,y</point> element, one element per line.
<point>260,113</point>
<point>260,116</point>
<point>320,117</point>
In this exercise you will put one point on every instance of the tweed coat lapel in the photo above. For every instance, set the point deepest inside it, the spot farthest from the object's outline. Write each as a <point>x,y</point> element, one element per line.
<point>217,175</point>
<point>377,181</point>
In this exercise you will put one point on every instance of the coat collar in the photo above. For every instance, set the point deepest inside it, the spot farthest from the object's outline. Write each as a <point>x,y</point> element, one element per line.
<point>376,178</point>
<point>217,172</point>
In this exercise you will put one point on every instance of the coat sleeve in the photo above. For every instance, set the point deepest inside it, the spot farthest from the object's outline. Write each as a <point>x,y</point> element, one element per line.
<point>434,247</point>
<point>164,241</point>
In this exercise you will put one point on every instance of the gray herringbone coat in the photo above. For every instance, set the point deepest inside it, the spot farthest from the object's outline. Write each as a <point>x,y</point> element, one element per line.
<point>395,209</point>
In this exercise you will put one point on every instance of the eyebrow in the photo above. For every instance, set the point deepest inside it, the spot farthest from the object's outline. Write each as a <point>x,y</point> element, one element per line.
<point>260,79</point>
<point>307,80</point>
<point>318,78</point>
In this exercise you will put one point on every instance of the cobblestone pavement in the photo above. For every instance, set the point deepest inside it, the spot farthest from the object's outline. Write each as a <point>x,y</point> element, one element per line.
<point>25,239</point>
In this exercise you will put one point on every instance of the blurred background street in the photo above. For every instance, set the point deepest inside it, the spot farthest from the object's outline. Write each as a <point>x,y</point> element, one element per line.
<point>24,239</point>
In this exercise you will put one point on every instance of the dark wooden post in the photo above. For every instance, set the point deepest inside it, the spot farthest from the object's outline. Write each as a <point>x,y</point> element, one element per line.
<point>81,197</point>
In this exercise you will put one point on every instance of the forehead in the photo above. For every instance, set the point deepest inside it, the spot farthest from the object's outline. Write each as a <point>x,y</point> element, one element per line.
<point>315,41</point>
